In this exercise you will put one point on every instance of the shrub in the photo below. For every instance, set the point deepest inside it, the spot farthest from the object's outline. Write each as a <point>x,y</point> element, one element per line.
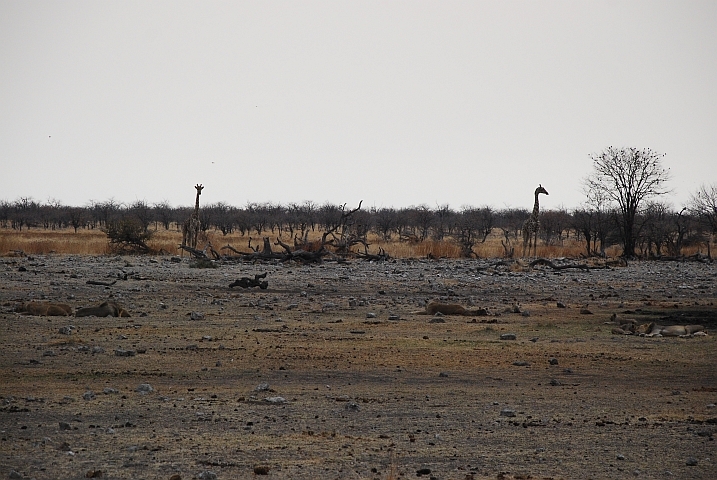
<point>127,236</point>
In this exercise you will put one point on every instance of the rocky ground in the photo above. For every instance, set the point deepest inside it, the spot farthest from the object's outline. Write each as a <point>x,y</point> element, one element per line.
<point>330,373</point>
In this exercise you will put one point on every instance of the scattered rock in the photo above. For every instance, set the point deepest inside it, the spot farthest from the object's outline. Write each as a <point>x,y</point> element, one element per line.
<point>691,462</point>
<point>560,305</point>
<point>262,387</point>
<point>145,388</point>
<point>88,395</point>
<point>585,311</point>
<point>352,407</point>
<point>196,316</point>
<point>275,400</point>
<point>555,382</point>
<point>65,426</point>
<point>508,336</point>
<point>261,470</point>
<point>521,363</point>
<point>67,330</point>
<point>370,315</point>
<point>125,353</point>
<point>507,412</point>
<point>208,475</point>
<point>553,361</point>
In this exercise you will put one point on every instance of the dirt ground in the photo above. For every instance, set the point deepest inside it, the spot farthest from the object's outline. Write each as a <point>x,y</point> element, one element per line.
<point>330,373</point>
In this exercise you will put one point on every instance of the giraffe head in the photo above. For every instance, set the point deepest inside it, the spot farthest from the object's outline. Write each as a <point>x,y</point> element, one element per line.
<point>540,189</point>
<point>199,188</point>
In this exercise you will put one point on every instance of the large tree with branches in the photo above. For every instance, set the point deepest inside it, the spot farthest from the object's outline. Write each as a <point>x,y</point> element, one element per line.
<point>627,177</point>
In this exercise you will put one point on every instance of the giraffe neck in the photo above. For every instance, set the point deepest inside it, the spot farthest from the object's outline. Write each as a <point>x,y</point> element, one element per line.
<point>196,207</point>
<point>536,206</point>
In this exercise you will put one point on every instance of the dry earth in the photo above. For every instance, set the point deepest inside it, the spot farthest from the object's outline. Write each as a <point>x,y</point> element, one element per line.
<point>329,373</point>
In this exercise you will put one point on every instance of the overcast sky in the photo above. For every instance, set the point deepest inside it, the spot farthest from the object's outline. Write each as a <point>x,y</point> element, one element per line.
<point>393,103</point>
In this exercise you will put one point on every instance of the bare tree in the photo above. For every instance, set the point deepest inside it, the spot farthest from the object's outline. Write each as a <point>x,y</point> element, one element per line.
<point>163,214</point>
<point>76,217</point>
<point>628,177</point>
<point>703,204</point>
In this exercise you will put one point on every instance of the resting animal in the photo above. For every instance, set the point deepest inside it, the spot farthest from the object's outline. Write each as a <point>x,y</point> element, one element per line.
<point>675,330</point>
<point>105,309</point>
<point>451,309</point>
<point>45,309</point>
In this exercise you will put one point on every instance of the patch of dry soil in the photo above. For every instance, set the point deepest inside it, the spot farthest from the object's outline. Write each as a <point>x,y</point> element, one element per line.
<point>329,373</point>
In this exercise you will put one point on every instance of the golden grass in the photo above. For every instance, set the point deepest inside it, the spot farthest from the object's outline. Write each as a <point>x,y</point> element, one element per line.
<point>94,242</point>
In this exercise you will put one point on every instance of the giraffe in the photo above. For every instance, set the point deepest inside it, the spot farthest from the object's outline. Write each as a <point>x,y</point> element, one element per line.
<point>532,224</point>
<point>190,228</point>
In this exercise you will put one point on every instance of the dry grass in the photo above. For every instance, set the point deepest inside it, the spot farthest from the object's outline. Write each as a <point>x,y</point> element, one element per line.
<point>94,242</point>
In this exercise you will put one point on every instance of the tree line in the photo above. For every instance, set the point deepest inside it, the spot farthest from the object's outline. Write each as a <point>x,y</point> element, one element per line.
<point>659,228</point>
<point>622,208</point>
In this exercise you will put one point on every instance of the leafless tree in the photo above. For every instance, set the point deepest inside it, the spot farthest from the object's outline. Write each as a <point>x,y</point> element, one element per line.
<point>627,177</point>
<point>703,205</point>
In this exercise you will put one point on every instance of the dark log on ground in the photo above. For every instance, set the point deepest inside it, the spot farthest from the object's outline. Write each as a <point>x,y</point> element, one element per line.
<point>382,256</point>
<point>246,282</point>
<point>545,261</point>
<point>229,247</point>
<point>104,284</point>
<point>193,251</point>
<point>697,257</point>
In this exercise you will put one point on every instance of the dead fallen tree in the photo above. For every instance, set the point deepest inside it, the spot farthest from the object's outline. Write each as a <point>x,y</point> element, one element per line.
<point>548,263</point>
<point>697,257</point>
<point>104,284</point>
<point>246,282</point>
<point>381,256</point>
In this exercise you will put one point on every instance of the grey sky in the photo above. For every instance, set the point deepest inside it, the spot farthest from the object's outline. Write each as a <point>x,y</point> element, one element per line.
<point>395,103</point>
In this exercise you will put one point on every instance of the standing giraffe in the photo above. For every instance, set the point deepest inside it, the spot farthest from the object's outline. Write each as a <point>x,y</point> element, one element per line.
<point>532,224</point>
<point>190,228</point>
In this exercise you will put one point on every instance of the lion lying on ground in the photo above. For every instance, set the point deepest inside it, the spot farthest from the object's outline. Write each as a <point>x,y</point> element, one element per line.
<point>451,309</point>
<point>105,309</point>
<point>630,327</point>
<point>675,330</point>
<point>45,309</point>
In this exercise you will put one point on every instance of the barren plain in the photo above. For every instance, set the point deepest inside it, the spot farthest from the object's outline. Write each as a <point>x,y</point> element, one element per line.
<point>331,373</point>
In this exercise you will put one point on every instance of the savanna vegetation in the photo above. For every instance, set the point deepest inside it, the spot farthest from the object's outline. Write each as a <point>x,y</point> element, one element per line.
<point>623,215</point>
<point>661,230</point>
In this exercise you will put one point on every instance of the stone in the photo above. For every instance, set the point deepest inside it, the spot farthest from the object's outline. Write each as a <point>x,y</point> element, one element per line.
<point>275,400</point>
<point>508,336</point>
<point>66,330</point>
<point>196,316</point>
<point>507,412</point>
<point>207,475</point>
<point>88,395</point>
<point>691,462</point>
<point>125,353</point>
<point>553,361</point>
<point>145,388</point>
